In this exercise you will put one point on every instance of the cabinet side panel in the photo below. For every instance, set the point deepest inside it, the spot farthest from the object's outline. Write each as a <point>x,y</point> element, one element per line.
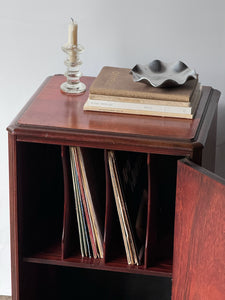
<point>70,231</point>
<point>13,216</point>
<point>209,151</point>
<point>199,247</point>
<point>40,198</point>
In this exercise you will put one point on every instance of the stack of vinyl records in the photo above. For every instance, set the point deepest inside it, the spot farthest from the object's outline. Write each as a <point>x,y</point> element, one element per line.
<point>87,204</point>
<point>114,91</point>
<point>131,196</point>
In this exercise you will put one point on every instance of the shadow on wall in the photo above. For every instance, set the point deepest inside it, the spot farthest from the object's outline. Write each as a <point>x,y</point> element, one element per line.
<point>220,148</point>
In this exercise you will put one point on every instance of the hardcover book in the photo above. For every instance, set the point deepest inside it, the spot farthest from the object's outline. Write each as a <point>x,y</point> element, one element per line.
<point>113,81</point>
<point>145,108</point>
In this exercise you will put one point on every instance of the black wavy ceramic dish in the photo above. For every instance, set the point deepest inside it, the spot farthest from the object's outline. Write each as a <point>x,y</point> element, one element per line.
<point>161,74</point>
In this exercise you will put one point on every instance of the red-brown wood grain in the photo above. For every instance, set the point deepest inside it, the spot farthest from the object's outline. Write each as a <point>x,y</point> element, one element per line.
<point>70,231</point>
<point>52,108</point>
<point>199,250</point>
<point>51,113</point>
<point>117,265</point>
<point>15,259</point>
<point>52,120</point>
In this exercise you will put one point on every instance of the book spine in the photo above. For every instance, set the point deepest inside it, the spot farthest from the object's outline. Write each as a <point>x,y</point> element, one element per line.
<point>136,94</point>
<point>138,100</point>
<point>141,112</point>
<point>137,107</point>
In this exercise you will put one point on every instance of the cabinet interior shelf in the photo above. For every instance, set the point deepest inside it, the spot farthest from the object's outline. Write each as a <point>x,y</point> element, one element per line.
<point>51,257</point>
<point>51,213</point>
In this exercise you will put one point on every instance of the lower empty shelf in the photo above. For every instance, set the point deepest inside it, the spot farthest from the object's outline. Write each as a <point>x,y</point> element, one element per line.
<point>52,256</point>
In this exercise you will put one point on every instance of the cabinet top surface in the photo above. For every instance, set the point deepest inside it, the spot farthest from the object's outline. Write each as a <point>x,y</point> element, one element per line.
<point>49,109</point>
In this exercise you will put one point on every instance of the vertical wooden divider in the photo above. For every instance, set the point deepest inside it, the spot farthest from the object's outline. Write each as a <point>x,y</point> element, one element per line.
<point>150,244</point>
<point>70,237</point>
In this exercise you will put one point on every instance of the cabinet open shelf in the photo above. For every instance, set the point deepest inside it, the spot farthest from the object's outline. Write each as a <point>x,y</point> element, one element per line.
<point>52,219</point>
<point>163,269</point>
<point>52,256</point>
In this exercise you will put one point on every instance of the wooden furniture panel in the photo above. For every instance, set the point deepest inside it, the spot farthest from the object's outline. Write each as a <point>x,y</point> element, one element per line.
<point>199,253</point>
<point>14,231</point>
<point>57,282</point>
<point>73,126</point>
<point>70,242</point>
<point>44,235</point>
<point>40,197</point>
<point>50,102</point>
<point>162,177</point>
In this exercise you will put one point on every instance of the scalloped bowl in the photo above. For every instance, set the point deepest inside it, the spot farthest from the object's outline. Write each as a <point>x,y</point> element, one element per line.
<point>161,74</point>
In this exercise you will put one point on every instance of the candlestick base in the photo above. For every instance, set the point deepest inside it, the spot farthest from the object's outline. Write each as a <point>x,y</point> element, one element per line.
<point>73,85</point>
<point>77,88</point>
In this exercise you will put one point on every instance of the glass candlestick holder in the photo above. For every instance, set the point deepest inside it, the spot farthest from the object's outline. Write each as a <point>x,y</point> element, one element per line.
<point>73,85</point>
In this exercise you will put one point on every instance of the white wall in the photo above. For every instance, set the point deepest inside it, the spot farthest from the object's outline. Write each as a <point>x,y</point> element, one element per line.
<point>116,33</point>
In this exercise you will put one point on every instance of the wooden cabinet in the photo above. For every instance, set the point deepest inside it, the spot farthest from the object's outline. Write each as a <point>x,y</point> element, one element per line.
<point>199,234</point>
<point>46,259</point>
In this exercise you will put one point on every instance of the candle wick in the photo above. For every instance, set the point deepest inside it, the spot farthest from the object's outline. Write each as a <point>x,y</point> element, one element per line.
<point>72,20</point>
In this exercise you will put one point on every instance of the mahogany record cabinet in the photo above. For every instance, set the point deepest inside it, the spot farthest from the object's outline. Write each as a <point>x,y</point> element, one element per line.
<point>184,255</point>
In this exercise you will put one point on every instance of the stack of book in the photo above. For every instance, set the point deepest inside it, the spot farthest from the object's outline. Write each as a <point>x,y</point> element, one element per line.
<point>114,90</point>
